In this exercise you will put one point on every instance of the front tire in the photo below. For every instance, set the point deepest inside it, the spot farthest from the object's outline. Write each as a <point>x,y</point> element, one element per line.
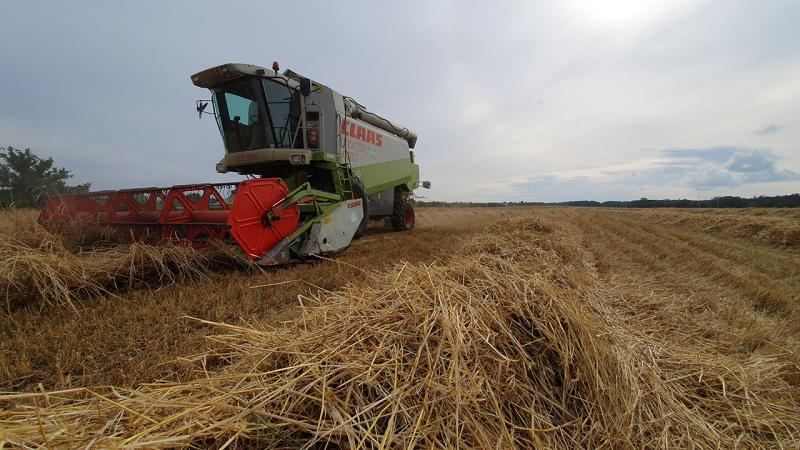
<point>403,216</point>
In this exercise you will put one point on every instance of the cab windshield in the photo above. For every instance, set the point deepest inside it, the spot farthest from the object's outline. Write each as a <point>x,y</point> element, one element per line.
<point>255,113</point>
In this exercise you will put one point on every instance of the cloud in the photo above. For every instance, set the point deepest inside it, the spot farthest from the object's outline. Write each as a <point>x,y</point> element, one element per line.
<point>718,154</point>
<point>758,166</point>
<point>724,166</point>
<point>749,160</point>
<point>708,176</point>
<point>770,129</point>
<point>676,172</point>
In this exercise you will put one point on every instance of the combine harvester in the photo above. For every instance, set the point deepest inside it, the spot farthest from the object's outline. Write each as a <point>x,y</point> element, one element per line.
<point>319,167</point>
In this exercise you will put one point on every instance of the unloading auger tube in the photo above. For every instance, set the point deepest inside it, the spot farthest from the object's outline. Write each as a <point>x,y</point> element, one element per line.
<point>357,111</point>
<point>320,166</point>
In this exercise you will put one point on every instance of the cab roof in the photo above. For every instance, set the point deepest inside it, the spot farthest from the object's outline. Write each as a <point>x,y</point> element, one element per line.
<point>226,72</point>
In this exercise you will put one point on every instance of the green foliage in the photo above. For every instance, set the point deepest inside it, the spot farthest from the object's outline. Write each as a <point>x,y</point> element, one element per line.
<point>26,179</point>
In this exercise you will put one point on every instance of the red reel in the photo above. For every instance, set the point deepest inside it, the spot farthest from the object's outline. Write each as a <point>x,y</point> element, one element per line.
<point>256,220</point>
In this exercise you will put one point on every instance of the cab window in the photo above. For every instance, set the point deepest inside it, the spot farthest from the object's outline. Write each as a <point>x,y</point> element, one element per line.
<point>283,104</point>
<point>242,123</point>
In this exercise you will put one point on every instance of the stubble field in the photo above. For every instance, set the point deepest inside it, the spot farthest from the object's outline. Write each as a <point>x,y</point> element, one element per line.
<point>483,327</point>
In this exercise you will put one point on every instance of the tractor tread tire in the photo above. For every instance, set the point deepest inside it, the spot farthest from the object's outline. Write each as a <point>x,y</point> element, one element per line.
<point>400,218</point>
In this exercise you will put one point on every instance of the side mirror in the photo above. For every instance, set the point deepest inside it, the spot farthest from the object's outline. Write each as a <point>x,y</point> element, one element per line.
<point>201,106</point>
<point>305,87</point>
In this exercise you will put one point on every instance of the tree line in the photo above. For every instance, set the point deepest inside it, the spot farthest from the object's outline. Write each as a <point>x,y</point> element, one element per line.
<point>26,179</point>
<point>776,201</point>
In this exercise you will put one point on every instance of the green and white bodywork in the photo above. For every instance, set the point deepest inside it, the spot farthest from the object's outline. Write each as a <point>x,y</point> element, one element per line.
<point>331,152</point>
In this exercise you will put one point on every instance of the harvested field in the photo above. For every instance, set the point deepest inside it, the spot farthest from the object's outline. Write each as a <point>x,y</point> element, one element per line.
<point>495,327</point>
<point>780,226</point>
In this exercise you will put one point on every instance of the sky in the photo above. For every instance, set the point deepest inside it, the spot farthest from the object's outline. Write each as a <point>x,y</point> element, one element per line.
<point>535,101</point>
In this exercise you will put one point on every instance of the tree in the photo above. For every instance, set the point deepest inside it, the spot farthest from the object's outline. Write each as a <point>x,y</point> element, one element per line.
<point>26,179</point>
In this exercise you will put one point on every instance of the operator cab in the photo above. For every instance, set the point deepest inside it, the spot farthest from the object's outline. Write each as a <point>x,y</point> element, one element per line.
<point>259,115</point>
<point>254,113</point>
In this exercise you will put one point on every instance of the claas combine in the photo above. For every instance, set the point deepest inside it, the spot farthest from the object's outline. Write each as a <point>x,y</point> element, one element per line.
<point>319,167</point>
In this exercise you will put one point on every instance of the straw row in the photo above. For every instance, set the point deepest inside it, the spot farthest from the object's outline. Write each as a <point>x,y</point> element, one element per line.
<point>772,227</point>
<point>39,268</point>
